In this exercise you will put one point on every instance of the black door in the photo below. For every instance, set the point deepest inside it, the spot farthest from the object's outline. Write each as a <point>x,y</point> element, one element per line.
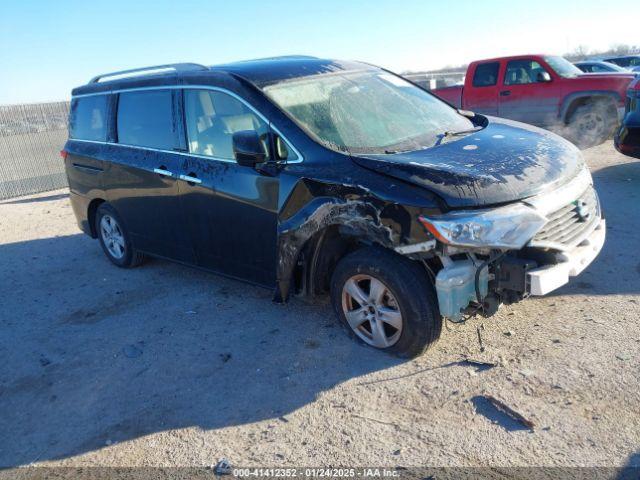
<point>143,178</point>
<point>230,210</point>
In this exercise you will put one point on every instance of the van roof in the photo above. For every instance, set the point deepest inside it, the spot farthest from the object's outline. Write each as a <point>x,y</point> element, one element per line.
<point>260,72</point>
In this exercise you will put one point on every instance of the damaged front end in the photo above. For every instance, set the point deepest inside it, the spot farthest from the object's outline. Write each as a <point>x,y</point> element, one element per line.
<point>502,255</point>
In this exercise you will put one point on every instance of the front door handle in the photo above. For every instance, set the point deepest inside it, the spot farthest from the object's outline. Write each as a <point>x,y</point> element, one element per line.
<point>191,179</point>
<point>505,93</point>
<point>163,171</point>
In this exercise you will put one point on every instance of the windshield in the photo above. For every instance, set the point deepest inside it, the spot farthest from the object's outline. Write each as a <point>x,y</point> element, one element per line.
<point>366,111</point>
<point>563,67</point>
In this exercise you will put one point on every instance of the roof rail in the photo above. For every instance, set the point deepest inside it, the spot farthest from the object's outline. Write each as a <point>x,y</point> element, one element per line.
<point>177,67</point>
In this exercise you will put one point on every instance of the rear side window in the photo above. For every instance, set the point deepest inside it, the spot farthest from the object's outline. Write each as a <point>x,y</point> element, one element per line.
<point>88,118</point>
<point>486,74</point>
<point>145,119</point>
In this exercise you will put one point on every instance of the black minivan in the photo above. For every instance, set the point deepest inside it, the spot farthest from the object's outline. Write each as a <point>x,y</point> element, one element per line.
<point>321,177</point>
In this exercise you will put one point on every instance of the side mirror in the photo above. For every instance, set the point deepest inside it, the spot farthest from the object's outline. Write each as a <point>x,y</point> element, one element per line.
<point>248,149</point>
<point>543,77</point>
<point>466,113</point>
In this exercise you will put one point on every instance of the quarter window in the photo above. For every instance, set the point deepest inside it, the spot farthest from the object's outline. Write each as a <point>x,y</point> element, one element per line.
<point>520,72</point>
<point>486,74</point>
<point>145,119</point>
<point>213,117</point>
<point>88,118</point>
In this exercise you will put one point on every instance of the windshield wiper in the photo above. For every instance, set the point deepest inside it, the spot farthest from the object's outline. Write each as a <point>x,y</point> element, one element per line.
<point>459,133</point>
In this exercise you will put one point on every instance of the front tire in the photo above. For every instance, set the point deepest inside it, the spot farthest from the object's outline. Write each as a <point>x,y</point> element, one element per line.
<point>114,238</point>
<point>386,301</point>
<point>593,123</point>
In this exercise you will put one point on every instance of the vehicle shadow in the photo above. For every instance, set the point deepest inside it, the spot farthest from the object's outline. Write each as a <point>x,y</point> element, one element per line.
<point>631,470</point>
<point>617,269</point>
<point>93,354</point>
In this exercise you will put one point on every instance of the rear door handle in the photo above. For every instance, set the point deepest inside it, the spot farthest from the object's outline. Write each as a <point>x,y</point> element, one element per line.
<point>505,93</point>
<point>191,178</point>
<point>163,171</point>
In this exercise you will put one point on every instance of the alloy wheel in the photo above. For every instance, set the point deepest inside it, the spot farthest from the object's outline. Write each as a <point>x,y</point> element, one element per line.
<point>372,311</point>
<point>112,236</point>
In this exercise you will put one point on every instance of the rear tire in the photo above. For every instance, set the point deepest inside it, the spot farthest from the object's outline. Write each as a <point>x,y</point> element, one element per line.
<point>593,123</point>
<point>114,238</point>
<point>397,310</point>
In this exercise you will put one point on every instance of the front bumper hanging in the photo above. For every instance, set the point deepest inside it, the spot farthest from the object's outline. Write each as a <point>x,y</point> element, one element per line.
<point>545,279</point>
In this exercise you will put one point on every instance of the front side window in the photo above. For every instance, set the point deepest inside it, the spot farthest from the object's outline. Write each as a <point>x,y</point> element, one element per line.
<point>88,118</point>
<point>486,74</point>
<point>563,67</point>
<point>365,111</point>
<point>212,117</point>
<point>520,72</point>
<point>145,119</point>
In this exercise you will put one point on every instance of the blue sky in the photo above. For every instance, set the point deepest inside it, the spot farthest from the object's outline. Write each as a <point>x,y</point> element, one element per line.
<point>48,46</point>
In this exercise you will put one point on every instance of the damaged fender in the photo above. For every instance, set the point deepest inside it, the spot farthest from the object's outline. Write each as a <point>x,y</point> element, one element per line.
<point>356,211</point>
<point>355,217</point>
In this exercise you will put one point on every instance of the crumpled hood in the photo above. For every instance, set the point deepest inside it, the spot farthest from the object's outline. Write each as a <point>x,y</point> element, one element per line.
<point>504,162</point>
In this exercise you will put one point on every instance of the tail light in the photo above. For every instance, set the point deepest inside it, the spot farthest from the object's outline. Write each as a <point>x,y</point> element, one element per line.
<point>63,154</point>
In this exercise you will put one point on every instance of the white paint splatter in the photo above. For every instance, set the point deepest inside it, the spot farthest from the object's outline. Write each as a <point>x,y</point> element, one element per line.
<point>470,147</point>
<point>498,136</point>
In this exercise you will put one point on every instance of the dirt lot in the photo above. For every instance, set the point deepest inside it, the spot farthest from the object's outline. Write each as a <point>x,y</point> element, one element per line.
<point>165,365</point>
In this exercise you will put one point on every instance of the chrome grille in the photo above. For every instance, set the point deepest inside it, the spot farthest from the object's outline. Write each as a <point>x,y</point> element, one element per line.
<point>571,224</point>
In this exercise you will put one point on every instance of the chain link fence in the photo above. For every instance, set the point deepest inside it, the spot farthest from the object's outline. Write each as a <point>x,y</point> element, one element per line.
<point>31,137</point>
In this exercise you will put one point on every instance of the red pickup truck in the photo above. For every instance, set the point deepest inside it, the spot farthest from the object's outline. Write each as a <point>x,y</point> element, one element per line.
<point>544,90</point>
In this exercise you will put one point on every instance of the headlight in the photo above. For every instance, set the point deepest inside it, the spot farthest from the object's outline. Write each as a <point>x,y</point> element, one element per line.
<point>504,227</point>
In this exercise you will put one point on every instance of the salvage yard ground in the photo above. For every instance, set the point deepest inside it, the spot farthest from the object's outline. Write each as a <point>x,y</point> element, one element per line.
<point>169,366</point>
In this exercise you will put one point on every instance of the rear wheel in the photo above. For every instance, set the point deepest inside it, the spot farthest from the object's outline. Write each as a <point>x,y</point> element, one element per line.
<point>593,123</point>
<point>114,238</point>
<point>386,301</point>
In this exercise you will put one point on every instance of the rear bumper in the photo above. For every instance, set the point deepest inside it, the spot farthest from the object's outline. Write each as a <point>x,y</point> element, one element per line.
<point>80,206</point>
<point>545,279</point>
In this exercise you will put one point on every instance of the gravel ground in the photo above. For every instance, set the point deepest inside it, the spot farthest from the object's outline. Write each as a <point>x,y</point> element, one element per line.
<point>169,366</point>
